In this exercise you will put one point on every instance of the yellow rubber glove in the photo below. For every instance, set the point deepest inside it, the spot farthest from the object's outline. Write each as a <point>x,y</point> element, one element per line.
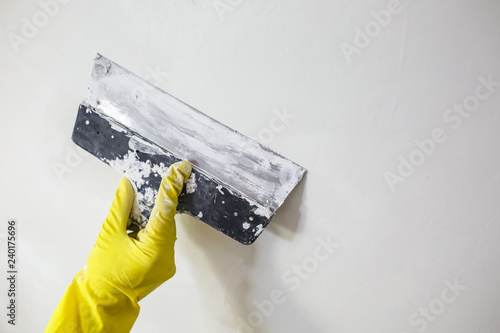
<point>122,269</point>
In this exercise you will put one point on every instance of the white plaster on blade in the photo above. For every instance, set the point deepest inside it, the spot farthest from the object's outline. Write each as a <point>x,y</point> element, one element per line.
<point>136,213</point>
<point>263,211</point>
<point>149,196</point>
<point>259,230</point>
<point>139,172</point>
<point>168,205</point>
<point>117,127</point>
<point>159,169</point>
<point>132,168</point>
<point>191,183</point>
<point>191,135</point>
<point>246,225</point>
<point>219,187</point>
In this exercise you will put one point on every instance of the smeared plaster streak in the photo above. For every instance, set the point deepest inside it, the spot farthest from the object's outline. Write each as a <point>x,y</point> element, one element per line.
<point>219,151</point>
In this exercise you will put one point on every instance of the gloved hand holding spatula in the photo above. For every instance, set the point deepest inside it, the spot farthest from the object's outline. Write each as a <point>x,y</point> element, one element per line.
<point>123,268</point>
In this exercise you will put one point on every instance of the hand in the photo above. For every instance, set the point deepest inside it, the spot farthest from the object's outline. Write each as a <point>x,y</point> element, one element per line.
<point>122,269</point>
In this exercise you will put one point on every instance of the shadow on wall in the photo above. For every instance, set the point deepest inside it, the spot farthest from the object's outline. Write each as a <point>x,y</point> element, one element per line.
<point>286,221</point>
<point>222,265</point>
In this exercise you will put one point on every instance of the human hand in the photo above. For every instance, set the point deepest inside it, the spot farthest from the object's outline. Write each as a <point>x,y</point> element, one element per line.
<point>123,268</point>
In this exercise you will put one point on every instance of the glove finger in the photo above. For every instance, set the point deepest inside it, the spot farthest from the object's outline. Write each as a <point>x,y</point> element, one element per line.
<point>161,225</point>
<point>117,219</point>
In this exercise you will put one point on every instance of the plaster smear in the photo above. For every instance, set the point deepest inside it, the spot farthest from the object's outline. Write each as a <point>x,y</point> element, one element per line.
<point>263,211</point>
<point>138,172</point>
<point>149,196</point>
<point>144,146</point>
<point>219,151</point>
<point>137,208</point>
<point>117,127</point>
<point>191,183</point>
<point>259,230</point>
<point>236,163</point>
<point>159,169</point>
<point>133,169</point>
<point>219,187</point>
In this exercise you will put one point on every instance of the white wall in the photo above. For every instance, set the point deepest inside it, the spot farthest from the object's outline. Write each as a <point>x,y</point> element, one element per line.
<point>397,250</point>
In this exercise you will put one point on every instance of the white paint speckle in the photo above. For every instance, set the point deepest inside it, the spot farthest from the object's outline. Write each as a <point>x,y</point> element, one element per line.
<point>220,189</point>
<point>149,196</point>
<point>235,213</point>
<point>260,228</point>
<point>250,218</point>
<point>135,170</point>
<point>223,202</point>
<point>200,215</point>
<point>246,225</point>
<point>191,183</point>
<point>117,128</point>
<point>136,212</point>
<point>167,205</point>
<point>87,122</point>
<point>263,211</point>
<point>159,169</point>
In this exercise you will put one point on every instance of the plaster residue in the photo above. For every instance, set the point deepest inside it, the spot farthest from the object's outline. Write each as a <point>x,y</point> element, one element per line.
<point>191,183</point>
<point>135,170</point>
<point>259,230</point>
<point>159,169</point>
<point>136,213</point>
<point>246,225</point>
<point>168,205</point>
<point>139,172</point>
<point>117,127</point>
<point>200,215</point>
<point>220,189</point>
<point>260,209</point>
<point>263,211</point>
<point>248,167</point>
<point>149,196</point>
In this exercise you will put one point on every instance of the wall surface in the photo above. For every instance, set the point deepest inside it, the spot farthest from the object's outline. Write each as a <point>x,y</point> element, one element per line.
<point>393,107</point>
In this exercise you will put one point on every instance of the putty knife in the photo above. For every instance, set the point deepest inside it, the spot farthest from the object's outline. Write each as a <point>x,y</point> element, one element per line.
<point>236,184</point>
